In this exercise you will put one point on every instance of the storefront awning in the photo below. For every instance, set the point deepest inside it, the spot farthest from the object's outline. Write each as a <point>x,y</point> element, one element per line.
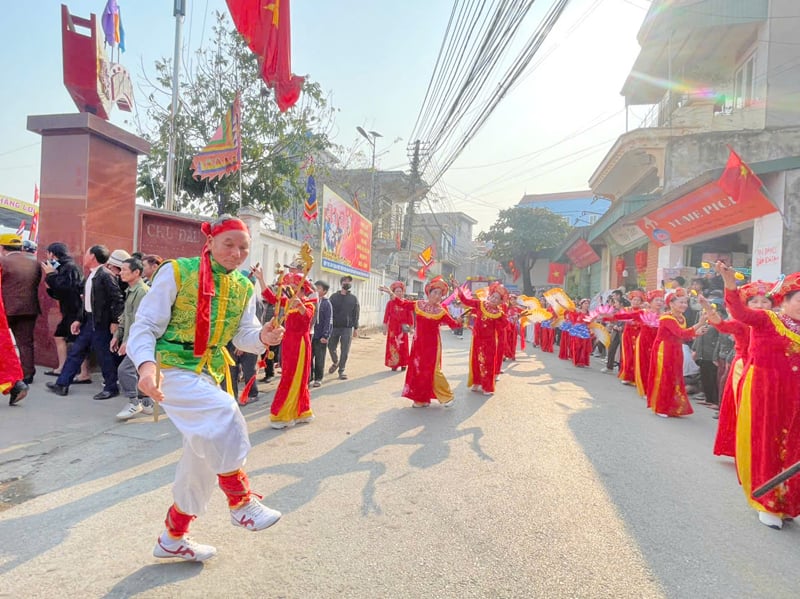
<point>700,206</point>
<point>622,208</point>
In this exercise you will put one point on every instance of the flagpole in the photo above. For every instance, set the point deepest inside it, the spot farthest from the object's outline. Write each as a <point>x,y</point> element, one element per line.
<point>179,12</point>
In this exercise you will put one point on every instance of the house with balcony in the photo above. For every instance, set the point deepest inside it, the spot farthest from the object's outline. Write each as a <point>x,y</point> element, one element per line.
<point>714,76</point>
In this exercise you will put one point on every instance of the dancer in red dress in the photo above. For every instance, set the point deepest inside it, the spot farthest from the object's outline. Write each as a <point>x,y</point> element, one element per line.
<point>667,393</point>
<point>398,319</point>
<point>424,377</point>
<point>580,335</point>
<point>490,325</point>
<point>768,424</point>
<point>547,334</point>
<point>627,360</point>
<point>755,296</point>
<point>11,376</point>
<point>646,340</point>
<point>292,401</point>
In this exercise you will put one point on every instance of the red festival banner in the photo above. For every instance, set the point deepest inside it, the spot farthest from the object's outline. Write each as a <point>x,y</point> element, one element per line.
<point>734,199</point>
<point>581,254</point>
<point>346,237</point>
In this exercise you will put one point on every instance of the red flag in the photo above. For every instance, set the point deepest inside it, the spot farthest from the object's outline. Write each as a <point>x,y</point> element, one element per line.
<point>557,273</point>
<point>514,270</point>
<point>738,180</point>
<point>21,228</point>
<point>264,24</point>
<point>34,233</point>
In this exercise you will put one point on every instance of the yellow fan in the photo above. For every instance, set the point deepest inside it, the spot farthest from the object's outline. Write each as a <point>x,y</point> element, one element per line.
<point>600,333</point>
<point>535,315</point>
<point>530,302</point>
<point>558,300</point>
<point>481,293</point>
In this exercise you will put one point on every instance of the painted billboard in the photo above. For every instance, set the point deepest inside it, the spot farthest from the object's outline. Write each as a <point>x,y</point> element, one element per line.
<point>346,238</point>
<point>12,214</point>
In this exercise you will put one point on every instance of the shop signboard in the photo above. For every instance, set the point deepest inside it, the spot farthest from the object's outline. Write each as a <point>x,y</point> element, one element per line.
<point>346,238</point>
<point>705,210</point>
<point>625,236</point>
<point>13,213</point>
<point>581,254</point>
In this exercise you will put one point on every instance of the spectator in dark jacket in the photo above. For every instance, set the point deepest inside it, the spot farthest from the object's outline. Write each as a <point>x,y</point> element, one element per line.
<point>704,354</point>
<point>323,327</point>
<point>102,307</point>
<point>345,325</point>
<point>21,277</point>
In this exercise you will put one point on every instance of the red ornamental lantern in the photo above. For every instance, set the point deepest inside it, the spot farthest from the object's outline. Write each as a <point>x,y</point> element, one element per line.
<point>619,265</point>
<point>640,258</point>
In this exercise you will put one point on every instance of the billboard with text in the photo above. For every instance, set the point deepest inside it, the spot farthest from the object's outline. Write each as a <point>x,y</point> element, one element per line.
<point>346,237</point>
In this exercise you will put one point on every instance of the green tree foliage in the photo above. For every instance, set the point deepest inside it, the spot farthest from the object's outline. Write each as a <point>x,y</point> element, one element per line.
<point>274,144</point>
<point>524,234</point>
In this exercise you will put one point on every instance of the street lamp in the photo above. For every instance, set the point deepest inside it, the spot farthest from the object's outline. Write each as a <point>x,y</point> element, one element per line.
<point>370,136</point>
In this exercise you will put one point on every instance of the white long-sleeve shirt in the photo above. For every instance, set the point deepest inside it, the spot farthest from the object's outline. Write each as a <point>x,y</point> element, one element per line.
<point>155,312</point>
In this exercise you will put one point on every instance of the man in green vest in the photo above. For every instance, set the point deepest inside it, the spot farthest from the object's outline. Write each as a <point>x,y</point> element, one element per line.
<point>178,343</point>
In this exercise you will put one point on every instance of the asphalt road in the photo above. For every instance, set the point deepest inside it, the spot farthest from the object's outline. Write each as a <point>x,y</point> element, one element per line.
<point>560,485</point>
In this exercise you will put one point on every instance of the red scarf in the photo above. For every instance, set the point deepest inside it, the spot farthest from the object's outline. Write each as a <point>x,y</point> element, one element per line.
<point>205,286</point>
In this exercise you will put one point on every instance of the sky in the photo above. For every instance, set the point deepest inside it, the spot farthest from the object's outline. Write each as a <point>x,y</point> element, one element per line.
<point>375,59</point>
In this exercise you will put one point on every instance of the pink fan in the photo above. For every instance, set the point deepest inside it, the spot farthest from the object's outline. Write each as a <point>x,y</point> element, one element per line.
<point>649,319</point>
<point>600,312</point>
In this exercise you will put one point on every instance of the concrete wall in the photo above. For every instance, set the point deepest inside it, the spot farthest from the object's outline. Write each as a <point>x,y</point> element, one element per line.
<point>783,65</point>
<point>790,259</point>
<point>691,155</point>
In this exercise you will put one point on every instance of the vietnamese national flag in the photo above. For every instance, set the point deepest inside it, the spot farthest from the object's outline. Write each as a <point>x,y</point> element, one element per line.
<point>557,273</point>
<point>738,180</point>
<point>264,24</point>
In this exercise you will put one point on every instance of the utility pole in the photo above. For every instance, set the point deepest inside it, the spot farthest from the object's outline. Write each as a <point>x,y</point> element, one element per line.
<point>179,12</point>
<point>413,187</point>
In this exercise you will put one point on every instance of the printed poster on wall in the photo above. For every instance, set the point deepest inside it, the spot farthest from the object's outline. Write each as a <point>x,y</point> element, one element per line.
<point>346,238</point>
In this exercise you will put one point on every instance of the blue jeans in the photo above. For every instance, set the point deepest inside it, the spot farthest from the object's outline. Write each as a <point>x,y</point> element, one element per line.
<point>87,340</point>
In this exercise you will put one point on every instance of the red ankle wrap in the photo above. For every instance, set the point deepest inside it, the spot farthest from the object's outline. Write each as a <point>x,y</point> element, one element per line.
<point>236,487</point>
<point>177,522</point>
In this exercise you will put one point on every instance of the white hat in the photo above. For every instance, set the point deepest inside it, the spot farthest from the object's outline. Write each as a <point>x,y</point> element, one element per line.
<point>117,257</point>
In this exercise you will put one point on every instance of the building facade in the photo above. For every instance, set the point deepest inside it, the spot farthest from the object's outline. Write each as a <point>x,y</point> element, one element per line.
<point>718,76</point>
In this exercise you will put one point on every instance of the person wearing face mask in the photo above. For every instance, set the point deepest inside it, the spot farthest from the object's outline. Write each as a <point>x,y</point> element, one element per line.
<point>768,424</point>
<point>178,341</point>
<point>667,394</point>
<point>424,377</point>
<point>345,326</point>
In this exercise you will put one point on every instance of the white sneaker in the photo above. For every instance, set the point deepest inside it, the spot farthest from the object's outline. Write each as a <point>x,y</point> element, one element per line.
<point>449,404</point>
<point>280,424</point>
<point>420,404</point>
<point>476,388</point>
<point>306,419</point>
<point>184,548</point>
<point>129,411</point>
<point>605,370</point>
<point>254,515</point>
<point>770,520</point>
<point>147,410</point>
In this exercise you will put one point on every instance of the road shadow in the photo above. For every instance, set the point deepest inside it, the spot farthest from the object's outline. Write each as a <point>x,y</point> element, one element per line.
<point>432,429</point>
<point>153,576</point>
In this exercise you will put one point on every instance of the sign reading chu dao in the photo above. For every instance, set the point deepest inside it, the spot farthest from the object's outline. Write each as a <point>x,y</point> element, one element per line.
<point>346,238</point>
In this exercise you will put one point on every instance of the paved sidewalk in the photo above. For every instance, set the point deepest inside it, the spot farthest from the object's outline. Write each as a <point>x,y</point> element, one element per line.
<point>45,422</point>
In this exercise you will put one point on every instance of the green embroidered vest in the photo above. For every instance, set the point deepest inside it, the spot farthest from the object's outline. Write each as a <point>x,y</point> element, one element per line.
<point>232,292</point>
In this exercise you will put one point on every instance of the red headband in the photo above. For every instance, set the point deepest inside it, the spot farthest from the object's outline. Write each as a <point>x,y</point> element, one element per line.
<point>651,295</point>
<point>205,283</point>
<point>754,289</point>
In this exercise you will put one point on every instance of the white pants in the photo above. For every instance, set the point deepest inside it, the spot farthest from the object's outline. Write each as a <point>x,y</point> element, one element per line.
<point>215,439</point>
